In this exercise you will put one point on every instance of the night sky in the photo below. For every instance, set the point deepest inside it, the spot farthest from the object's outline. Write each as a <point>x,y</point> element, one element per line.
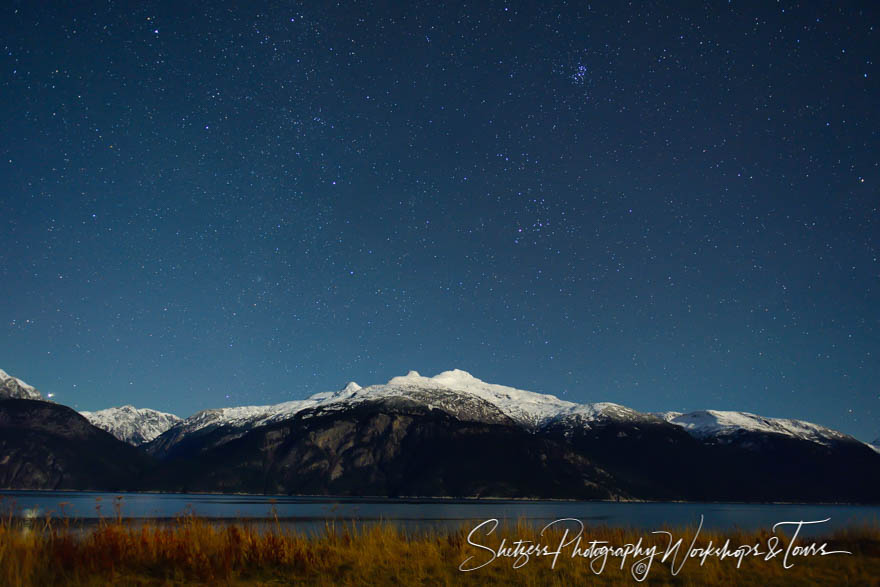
<point>660,205</point>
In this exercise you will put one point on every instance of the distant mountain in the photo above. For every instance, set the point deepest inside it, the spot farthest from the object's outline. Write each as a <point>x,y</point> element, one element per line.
<point>13,387</point>
<point>456,392</point>
<point>339,443</point>
<point>132,425</point>
<point>44,445</point>
<point>388,446</point>
<point>469,398</point>
<point>447,435</point>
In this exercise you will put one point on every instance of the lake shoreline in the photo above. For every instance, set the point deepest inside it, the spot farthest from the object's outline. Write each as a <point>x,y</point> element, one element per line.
<point>411,512</point>
<point>431,499</point>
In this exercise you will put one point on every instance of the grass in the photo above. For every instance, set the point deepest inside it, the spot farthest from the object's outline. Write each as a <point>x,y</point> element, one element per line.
<point>52,551</point>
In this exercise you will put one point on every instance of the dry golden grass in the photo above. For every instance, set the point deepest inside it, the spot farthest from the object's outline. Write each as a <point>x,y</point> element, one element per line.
<point>50,551</point>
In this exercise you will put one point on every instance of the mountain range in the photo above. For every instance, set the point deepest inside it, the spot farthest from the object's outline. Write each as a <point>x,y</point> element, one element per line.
<point>455,435</point>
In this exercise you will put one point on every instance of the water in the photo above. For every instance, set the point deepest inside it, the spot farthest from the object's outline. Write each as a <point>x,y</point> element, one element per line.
<point>313,512</point>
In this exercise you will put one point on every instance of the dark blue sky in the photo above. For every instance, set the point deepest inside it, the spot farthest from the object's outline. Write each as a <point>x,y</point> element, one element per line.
<point>657,204</point>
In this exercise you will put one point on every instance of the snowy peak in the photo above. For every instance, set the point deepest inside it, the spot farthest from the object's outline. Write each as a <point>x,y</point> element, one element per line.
<point>351,389</point>
<point>525,407</point>
<point>454,379</point>
<point>14,388</point>
<point>721,424</point>
<point>457,378</point>
<point>132,425</point>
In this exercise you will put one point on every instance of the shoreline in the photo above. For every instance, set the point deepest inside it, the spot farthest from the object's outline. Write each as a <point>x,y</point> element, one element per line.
<point>432,499</point>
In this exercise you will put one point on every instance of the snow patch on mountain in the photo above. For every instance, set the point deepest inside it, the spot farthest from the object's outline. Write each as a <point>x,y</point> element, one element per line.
<point>608,411</point>
<point>668,416</point>
<point>132,425</point>
<point>526,407</point>
<point>723,424</point>
<point>241,415</point>
<point>14,388</point>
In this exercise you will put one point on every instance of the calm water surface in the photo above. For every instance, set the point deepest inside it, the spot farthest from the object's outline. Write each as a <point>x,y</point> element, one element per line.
<point>310,512</point>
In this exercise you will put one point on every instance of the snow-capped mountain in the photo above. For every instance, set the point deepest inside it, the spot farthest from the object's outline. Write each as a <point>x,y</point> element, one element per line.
<point>13,387</point>
<point>132,425</point>
<point>468,398</point>
<point>524,407</point>
<point>451,434</point>
<point>527,408</point>
<point>456,392</point>
<point>725,426</point>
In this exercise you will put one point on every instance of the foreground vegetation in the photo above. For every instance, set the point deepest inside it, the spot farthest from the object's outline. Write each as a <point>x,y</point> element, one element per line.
<point>53,551</point>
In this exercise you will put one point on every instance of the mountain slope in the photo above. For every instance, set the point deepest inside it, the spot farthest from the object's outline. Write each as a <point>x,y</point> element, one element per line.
<point>457,392</point>
<point>447,435</point>
<point>49,446</point>
<point>391,446</point>
<point>132,425</point>
<point>214,427</point>
<point>15,388</point>
<point>467,398</point>
<point>726,425</point>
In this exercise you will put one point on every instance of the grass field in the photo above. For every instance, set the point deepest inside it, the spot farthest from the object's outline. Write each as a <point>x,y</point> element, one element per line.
<point>53,551</point>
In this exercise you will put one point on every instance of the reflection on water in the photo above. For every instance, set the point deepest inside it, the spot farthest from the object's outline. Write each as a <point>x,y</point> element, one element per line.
<point>314,512</point>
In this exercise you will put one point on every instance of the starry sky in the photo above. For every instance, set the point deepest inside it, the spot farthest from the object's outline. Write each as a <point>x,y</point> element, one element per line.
<point>665,205</point>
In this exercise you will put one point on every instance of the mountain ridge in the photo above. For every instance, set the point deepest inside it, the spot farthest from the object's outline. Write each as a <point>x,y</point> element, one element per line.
<point>451,434</point>
<point>529,409</point>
